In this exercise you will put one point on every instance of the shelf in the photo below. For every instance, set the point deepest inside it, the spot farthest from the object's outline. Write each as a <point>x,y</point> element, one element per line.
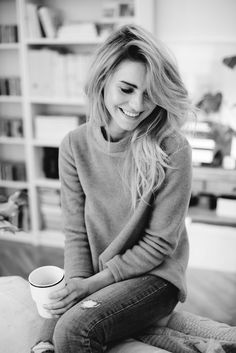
<point>48,183</point>
<point>199,41</point>
<point>10,99</point>
<point>62,42</point>
<point>46,143</point>
<point>58,101</point>
<point>14,184</point>
<point>9,46</point>
<point>214,174</point>
<point>12,141</point>
<point>200,215</point>
<point>117,19</point>
<point>18,236</point>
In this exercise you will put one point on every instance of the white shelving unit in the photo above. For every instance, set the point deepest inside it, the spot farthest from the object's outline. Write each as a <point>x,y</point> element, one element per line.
<point>15,60</point>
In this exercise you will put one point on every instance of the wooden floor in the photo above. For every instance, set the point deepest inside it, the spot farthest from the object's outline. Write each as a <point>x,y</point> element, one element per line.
<point>211,293</point>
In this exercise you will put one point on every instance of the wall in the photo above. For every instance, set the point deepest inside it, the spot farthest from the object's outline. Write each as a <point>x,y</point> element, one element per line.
<point>201,33</point>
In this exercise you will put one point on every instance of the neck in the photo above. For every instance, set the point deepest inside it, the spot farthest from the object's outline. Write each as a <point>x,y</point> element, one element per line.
<point>113,136</point>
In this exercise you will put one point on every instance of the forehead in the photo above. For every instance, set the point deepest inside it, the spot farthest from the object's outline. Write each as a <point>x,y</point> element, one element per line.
<point>131,71</point>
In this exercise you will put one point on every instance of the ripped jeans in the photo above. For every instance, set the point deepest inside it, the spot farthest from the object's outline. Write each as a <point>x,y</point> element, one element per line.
<point>121,310</point>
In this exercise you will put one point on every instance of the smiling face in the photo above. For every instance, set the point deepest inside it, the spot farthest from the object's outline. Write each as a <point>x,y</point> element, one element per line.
<point>126,99</point>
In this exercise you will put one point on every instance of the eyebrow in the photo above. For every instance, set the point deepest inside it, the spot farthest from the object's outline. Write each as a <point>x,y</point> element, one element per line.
<point>130,84</point>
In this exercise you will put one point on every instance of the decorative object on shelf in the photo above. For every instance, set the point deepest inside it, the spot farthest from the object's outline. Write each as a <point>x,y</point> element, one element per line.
<point>118,8</point>
<point>210,103</point>
<point>230,61</point>
<point>210,106</point>
<point>18,218</point>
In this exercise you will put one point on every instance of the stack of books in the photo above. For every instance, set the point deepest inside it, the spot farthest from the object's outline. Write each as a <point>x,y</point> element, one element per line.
<point>51,217</point>
<point>41,21</point>
<point>8,34</point>
<point>12,170</point>
<point>10,86</point>
<point>11,127</point>
<point>57,74</point>
<point>202,142</point>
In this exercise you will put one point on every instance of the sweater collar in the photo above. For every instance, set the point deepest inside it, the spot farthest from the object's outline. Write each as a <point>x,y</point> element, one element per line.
<point>106,146</point>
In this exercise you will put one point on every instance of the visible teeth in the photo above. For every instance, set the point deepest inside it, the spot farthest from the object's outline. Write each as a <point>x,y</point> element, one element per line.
<point>132,115</point>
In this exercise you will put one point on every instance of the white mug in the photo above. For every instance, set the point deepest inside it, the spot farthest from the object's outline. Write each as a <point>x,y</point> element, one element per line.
<point>44,281</point>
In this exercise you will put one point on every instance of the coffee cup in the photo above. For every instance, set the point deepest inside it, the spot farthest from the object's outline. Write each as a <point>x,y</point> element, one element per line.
<point>44,281</point>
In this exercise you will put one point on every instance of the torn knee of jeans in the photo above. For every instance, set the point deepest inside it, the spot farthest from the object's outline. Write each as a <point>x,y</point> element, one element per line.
<point>89,304</point>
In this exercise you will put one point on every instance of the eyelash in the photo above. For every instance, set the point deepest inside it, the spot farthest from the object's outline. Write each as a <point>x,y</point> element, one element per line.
<point>127,90</point>
<point>130,90</point>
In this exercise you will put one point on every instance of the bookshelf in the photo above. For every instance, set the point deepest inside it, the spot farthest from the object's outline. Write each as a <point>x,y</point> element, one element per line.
<point>32,57</point>
<point>191,49</point>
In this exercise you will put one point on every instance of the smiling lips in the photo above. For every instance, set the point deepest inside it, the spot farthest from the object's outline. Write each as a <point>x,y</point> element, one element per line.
<point>129,114</point>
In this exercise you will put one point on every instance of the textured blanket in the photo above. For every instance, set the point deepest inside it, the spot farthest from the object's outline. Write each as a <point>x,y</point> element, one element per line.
<point>190,333</point>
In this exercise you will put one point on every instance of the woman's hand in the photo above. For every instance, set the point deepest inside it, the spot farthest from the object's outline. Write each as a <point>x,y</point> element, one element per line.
<point>75,290</point>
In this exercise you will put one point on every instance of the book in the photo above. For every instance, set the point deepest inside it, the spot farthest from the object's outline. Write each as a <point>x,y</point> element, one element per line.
<point>48,21</point>
<point>32,21</point>
<point>40,71</point>
<point>11,127</point>
<point>12,170</point>
<point>50,162</point>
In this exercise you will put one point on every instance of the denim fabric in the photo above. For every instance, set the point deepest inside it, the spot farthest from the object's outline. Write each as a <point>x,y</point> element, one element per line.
<point>119,311</point>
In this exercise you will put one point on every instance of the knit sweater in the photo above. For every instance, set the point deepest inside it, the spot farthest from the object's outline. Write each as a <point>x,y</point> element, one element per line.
<point>101,228</point>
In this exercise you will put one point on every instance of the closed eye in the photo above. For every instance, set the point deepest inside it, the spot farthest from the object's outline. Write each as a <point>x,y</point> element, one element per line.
<point>127,90</point>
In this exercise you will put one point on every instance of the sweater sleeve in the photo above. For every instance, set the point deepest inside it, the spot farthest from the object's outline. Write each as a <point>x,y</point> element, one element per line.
<point>77,251</point>
<point>161,236</point>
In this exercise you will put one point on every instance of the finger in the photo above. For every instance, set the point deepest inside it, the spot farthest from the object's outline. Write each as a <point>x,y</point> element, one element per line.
<point>60,311</point>
<point>61,303</point>
<point>60,294</point>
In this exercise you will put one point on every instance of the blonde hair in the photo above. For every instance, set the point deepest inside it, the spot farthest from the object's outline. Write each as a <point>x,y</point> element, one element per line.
<point>146,159</point>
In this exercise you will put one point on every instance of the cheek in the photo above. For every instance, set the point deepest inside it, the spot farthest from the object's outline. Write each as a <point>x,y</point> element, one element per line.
<point>111,99</point>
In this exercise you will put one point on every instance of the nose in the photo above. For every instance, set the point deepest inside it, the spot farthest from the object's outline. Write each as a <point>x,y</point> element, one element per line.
<point>136,102</point>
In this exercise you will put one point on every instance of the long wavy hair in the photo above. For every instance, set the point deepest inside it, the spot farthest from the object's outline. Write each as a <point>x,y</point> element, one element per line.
<point>146,158</point>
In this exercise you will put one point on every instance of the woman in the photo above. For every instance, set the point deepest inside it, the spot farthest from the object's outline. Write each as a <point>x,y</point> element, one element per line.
<point>125,189</point>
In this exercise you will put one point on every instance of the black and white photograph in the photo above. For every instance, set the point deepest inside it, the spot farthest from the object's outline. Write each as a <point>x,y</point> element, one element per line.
<point>117,176</point>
